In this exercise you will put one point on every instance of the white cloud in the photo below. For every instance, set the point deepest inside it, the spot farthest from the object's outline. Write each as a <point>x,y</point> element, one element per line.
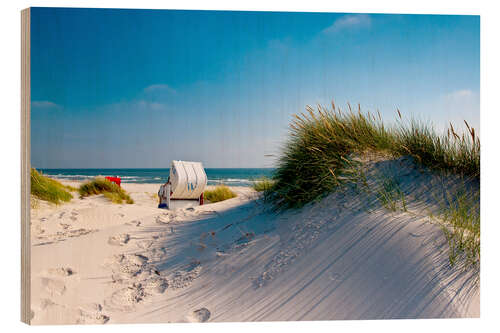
<point>348,22</point>
<point>150,105</point>
<point>160,88</point>
<point>44,104</point>
<point>460,95</point>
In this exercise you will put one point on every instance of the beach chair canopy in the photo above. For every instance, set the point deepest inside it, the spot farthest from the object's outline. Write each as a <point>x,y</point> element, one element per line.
<point>188,179</point>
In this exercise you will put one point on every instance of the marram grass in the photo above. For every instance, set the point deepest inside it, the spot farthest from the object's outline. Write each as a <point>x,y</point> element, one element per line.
<point>47,189</point>
<point>219,193</point>
<point>262,184</point>
<point>110,190</point>
<point>317,157</point>
<point>462,226</point>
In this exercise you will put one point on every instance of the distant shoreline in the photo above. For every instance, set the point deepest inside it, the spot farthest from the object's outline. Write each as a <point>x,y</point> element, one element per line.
<point>227,176</point>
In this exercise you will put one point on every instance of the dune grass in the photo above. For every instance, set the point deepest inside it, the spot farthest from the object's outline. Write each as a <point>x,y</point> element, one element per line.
<point>263,184</point>
<point>110,190</point>
<point>459,154</point>
<point>34,202</point>
<point>318,155</point>
<point>47,189</point>
<point>461,226</point>
<point>220,193</point>
<point>390,195</point>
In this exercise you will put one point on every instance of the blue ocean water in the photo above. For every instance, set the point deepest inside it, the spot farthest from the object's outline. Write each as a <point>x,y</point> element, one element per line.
<point>234,177</point>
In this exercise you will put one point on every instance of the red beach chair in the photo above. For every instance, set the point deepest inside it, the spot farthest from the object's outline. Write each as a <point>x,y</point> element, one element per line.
<point>116,180</point>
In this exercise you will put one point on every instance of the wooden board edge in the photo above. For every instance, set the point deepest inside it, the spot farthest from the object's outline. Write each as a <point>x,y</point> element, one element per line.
<point>26,314</point>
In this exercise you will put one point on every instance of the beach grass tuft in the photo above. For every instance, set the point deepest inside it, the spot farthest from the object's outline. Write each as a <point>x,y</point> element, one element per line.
<point>263,184</point>
<point>390,195</point>
<point>110,190</point>
<point>459,154</point>
<point>48,189</point>
<point>219,193</point>
<point>324,147</point>
<point>461,226</point>
<point>317,157</point>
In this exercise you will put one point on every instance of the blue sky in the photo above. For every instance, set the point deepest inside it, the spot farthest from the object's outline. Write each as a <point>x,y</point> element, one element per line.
<point>138,88</point>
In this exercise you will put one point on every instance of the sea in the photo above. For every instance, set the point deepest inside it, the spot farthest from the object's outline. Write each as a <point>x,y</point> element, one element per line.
<point>227,176</point>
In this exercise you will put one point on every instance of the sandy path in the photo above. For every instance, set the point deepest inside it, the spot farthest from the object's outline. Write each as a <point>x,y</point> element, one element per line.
<point>236,261</point>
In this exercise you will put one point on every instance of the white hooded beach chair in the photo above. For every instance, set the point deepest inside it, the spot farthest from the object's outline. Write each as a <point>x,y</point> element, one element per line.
<point>186,183</point>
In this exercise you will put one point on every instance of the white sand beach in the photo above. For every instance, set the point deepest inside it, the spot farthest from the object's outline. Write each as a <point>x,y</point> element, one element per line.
<point>98,262</point>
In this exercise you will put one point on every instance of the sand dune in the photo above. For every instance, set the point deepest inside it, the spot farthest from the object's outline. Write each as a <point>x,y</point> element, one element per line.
<point>340,258</point>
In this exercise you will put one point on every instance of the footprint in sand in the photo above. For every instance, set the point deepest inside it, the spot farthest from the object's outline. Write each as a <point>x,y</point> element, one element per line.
<point>60,271</point>
<point>158,254</point>
<point>183,278</point>
<point>125,299</point>
<point>63,235</point>
<point>134,223</point>
<point>144,244</point>
<point>119,240</point>
<point>156,285</point>
<point>127,266</point>
<point>39,229</point>
<point>92,314</point>
<point>244,240</point>
<point>91,318</point>
<point>66,314</point>
<point>199,316</point>
<point>54,287</point>
<point>140,279</point>
<point>162,220</point>
<point>45,303</point>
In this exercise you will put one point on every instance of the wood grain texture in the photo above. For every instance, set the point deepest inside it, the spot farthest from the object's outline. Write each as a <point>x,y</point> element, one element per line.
<point>25,168</point>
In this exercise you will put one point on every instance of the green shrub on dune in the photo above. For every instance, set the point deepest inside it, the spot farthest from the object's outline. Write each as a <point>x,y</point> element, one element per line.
<point>110,190</point>
<point>459,154</point>
<point>462,227</point>
<point>322,152</point>
<point>318,154</point>
<point>47,189</point>
<point>263,184</point>
<point>220,193</point>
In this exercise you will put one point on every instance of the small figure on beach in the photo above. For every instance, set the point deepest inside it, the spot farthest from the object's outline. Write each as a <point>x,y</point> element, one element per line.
<point>162,194</point>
